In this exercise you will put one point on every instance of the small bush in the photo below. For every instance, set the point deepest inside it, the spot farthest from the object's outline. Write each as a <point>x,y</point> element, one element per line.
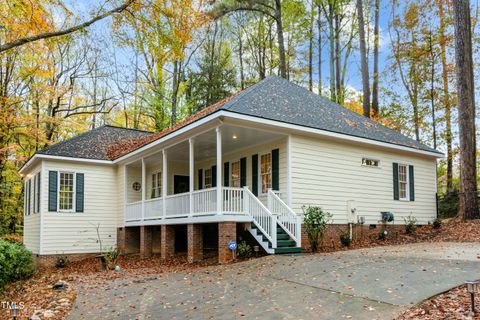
<point>448,204</point>
<point>437,223</point>
<point>12,238</point>
<point>16,262</point>
<point>382,235</point>
<point>345,239</point>
<point>61,261</point>
<point>244,250</point>
<point>111,256</point>
<point>315,221</point>
<point>410,224</point>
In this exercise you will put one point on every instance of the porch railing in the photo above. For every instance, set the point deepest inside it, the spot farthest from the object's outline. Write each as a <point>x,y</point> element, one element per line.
<point>178,205</point>
<point>262,217</point>
<point>133,211</point>
<point>204,202</point>
<point>286,218</point>
<point>233,200</point>
<point>153,209</point>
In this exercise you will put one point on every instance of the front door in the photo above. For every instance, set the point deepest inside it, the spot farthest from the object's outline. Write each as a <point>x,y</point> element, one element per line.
<point>181,184</point>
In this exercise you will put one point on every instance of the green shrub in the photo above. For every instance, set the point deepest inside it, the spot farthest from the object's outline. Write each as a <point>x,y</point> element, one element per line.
<point>448,205</point>
<point>315,221</point>
<point>111,256</point>
<point>244,250</point>
<point>437,223</point>
<point>345,239</point>
<point>16,262</point>
<point>410,224</point>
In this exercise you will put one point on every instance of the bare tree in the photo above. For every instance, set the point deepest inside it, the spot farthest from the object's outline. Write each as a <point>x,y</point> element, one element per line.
<point>364,61</point>
<point>375,107</point>
<point>468,207</point>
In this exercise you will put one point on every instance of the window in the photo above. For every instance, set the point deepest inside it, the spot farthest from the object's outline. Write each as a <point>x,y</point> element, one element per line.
<point>27,197</point>
<point>370,162</point>
<point>403,182</point>
<point>157,185</point>
<point>236,174</point>
<point>66,191</point>
<point>208,178</point>
<point>36,193</point>
<point>266,171</point>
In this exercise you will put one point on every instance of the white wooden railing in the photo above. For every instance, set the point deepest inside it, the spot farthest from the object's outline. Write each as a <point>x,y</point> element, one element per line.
<point>232,200</point>
<point>133,211</point>
<point>178,205</point>
<point>204,202</point>
<point>286,217</point>
<point>153,208</point>
<point>262,217</point>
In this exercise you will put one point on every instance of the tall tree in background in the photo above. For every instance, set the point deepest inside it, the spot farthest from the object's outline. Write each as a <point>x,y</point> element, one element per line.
<point>446,94</point>
<point>468,207</point>
<point>376,41</point>
<point>364,61</point>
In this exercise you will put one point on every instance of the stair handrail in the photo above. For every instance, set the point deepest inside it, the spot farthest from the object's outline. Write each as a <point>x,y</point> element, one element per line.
<point>287,218</point>
<point>267,226</point>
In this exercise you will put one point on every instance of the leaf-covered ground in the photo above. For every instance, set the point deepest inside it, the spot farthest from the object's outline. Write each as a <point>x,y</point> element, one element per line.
<point>42,302</point>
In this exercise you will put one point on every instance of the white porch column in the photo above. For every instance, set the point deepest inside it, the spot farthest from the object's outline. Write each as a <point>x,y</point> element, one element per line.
<point>164,181</point>
<point>191,171</point>
<point>219,170</point>
<point>144,187</point>
<point>125,194</point>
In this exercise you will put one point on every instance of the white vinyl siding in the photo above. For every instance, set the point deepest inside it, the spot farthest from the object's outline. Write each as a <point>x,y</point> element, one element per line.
<point>31,223</point>
<point>327,173</point>
<point>77,233</point>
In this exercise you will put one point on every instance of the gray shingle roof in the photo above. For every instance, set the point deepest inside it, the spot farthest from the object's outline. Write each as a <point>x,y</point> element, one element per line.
<point>92,144</point>
<point>278,99</point>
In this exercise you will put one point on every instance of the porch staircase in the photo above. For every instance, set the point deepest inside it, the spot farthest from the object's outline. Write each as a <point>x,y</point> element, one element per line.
<point>276,227</point>
<point>284,243</point>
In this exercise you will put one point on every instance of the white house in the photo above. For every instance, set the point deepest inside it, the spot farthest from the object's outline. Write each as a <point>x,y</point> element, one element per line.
<point>249,162</point>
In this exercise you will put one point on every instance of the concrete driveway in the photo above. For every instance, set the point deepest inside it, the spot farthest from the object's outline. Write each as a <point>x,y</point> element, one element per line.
<point>374,283</point>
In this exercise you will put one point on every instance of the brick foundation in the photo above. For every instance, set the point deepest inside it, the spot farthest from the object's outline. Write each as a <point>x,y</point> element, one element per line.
<point>121,240</point>
<point>331,237</point>
<point>195,242</point>
<point>145,241</point>
<point>167,246</point>
<point>51,259</point>
<point>156,239</point>
<point>227,231</point>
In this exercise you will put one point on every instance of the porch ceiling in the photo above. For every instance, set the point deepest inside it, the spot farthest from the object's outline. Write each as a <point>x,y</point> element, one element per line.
<point>233,138</point>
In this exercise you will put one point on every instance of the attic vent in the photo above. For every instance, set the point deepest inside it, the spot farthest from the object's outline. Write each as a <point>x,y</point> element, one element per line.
<point>370,162</point>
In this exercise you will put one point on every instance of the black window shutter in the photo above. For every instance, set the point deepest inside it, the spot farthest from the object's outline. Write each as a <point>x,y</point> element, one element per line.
<point>79,192</point>
<point>214,176</point>
<point>243,172</point>
<point>200,179</point>
<point>275,170</point>
<point>38,191</point>
<point>411,182</point>
<point>29,193</point>
<point>52,190</point>
<point>255,174</point>
<point>396,195</point>
<point>226,171</point>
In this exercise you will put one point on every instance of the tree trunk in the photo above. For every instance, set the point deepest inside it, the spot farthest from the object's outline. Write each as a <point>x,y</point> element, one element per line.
<point>468,207</point>
<point>432,92</point>
<point>240,58</point>
<point>446,97</point>
<point>333,96</point>
<point>319,27</point>
<point>310,48</point>
<point>175,85</point>
<point>364,61</point>
<point>281,45</point>
<point>338,61</point>
<point>375,107</point>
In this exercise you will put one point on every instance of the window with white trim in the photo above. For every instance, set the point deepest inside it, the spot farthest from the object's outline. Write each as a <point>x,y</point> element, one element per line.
<point>66,191</point>
<point>235,174</point>
<point>207,180</point>
<point>370,162</point>
<point>266,171</point>
<point>36,193</point>
<point>403,181</point>
<point>157,184</point>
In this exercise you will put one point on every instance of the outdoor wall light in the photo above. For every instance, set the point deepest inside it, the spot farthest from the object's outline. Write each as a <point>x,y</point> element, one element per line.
<point>234,137</point>
<point>472,288</point>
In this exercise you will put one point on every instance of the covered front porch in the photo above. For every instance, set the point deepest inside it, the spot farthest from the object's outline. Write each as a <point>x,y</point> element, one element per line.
<point>228,173</point>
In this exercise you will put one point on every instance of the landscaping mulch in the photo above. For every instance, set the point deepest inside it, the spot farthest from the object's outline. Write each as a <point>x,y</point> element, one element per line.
<point>43,302</point>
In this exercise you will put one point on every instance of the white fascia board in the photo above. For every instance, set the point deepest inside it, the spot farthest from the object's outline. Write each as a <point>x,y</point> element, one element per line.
<point>50,157</point>
<point>326,133</point>
<point>171,135</point>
